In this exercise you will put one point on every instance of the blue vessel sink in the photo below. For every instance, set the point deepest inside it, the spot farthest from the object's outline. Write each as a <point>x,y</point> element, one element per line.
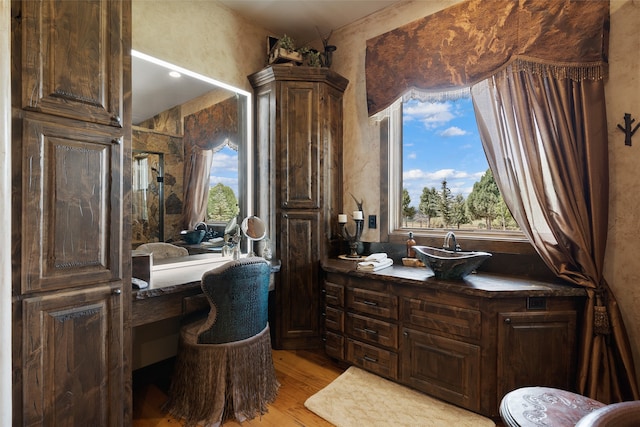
<point>450,265</point>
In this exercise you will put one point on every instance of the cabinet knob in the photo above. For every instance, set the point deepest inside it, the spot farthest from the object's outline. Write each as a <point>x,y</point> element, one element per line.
<point>116,291</point>
<point>116,119</point>
<point>405,333</point>
<point>507,320</point>
<point>285,215</point>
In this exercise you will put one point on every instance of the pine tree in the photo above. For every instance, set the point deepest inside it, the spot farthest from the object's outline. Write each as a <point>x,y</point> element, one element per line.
<point>429,204</point>
<point>444,204</point>
<point>483,201</point>
<point>222,204</point>
<point>408,212</point>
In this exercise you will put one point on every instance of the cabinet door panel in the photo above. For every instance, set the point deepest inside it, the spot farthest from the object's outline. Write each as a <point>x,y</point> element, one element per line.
<point>72,358</point>
<point>298,288</point>
<point>73,59</point>
<point>444,368</point>
<point>72,188</point>
<point>536,349</point>
<point>299,150</point>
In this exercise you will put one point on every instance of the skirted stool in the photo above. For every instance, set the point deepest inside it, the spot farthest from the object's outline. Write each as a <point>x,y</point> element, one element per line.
<point>224,367</point>
<point>545,406</point>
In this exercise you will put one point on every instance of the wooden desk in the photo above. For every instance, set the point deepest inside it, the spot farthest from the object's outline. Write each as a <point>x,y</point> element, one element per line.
<point>175,288</point>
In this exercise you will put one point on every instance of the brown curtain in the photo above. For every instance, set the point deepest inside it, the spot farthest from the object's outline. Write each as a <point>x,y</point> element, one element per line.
<point>546,142</point>
<point>206,132</point>
<point>466,43</point>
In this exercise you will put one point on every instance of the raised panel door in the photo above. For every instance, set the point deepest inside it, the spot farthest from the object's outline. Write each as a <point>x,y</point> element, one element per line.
<point>536,349</point>
<point>299,147</point>
<point>72,371</point>
<point>298,288</point>
<point>442,367</point>
<point>72,59</point>
<point>72,204</point>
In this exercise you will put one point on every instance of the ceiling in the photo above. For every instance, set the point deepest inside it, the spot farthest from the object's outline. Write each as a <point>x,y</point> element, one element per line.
<point>303,20</point>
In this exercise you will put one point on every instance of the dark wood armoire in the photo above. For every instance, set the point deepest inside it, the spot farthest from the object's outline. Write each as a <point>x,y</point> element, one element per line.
<point>298,185</point>
<point>71,291</point>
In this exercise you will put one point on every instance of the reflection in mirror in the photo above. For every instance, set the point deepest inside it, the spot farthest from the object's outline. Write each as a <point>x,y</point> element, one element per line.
<point>148,197</point>
<point>201,128</point>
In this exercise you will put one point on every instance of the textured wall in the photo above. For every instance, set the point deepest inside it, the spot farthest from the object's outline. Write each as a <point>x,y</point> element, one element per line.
<point>622,265</point>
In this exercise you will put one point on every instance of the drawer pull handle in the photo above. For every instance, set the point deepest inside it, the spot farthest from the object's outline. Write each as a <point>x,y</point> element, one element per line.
<point>116,291</point>
<point>370,359</point>
<point>507,320</point>
<point>371,331</point>
<point>372,303</point>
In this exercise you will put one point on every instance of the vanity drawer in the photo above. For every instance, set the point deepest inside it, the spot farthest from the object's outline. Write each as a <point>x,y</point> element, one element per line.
<point>334,319</point>
<point>334,345</point>
<point>373,359</point>
<point>333,294</point>
<point>371,302</point>
<point>372,330</point>
<point>448,319</point>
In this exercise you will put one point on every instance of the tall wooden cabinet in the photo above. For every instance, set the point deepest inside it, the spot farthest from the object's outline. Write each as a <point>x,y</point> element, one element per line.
<point>298,187</point>
<point>70,158</point>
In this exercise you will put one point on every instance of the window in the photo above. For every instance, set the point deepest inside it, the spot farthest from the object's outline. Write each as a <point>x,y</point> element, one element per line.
<point>439,177</point>
<point>222,204</point>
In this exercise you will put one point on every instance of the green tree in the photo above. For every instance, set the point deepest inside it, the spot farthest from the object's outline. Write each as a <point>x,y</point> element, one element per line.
<point>504,216</point>
<point>429,203</point>
<point>459,211</point>
<point>444,203</point>
<point>408,212</point>
<point>222,204</point>
<point>484,199</point>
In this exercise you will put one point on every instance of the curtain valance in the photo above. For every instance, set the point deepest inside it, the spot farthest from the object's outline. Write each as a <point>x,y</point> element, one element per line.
<point>212,127</point>
<point>468,42</point>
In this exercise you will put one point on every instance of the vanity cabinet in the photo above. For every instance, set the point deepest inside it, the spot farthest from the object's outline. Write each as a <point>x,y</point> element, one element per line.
<point>70,163</point>
<point>466,342</point>
<point>298,190</point>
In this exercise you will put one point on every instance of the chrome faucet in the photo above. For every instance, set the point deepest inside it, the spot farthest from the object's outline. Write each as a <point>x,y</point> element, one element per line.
<point>447,242</point>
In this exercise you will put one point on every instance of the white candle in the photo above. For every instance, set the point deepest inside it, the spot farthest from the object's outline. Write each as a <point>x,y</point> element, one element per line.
<point>358,215</point>
<point>342,218</point>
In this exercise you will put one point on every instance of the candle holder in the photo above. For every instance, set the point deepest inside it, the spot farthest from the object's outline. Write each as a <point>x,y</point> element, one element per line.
<point>353,239</point>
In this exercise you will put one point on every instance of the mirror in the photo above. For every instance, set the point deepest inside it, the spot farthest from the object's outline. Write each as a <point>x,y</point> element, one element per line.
<point>168,112</point>
<point>254,228</point>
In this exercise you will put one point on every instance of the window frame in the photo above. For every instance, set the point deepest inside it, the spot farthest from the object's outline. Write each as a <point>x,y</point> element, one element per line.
<point>390,122</point>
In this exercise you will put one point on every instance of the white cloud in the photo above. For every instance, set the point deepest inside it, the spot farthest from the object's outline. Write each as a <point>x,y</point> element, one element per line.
<point>453,131</point>
<point>431,114</point>
<point>224,162</point>
<point>412,155</point>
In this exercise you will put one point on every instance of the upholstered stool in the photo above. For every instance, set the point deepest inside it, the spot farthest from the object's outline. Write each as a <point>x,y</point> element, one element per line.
<point>544,406</point>
<point>224,367</point>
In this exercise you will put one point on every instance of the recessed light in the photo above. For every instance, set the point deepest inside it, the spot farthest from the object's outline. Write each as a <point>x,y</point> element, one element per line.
<point>175,74</point>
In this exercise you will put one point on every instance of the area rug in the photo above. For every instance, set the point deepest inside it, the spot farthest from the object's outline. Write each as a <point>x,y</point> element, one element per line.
<point>358,398</point>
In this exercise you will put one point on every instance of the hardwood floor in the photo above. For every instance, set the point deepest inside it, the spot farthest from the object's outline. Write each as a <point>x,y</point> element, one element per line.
<point>301,374</point>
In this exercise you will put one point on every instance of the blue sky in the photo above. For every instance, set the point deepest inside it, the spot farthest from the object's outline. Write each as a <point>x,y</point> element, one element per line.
<point>225,169</point>
<point>441,141</point>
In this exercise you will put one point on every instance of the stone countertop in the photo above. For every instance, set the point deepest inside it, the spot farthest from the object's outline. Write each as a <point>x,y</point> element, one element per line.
<point>478,284</point>
<point>184,274</point>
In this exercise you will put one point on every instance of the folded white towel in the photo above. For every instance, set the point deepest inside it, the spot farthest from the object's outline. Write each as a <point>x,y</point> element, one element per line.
<point>375,265</point>
<point>377,257</point>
